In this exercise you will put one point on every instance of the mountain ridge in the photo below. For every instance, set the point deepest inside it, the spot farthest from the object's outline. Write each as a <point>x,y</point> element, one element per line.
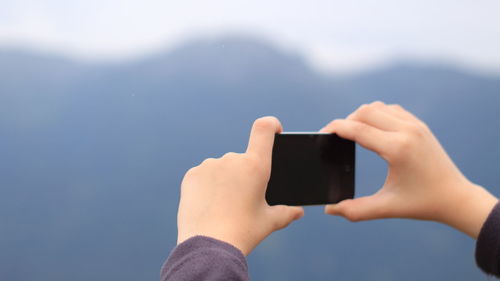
<point>93,155</point>
<point>231,43</point>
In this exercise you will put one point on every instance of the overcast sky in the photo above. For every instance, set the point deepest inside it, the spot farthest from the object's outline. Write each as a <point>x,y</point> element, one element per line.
<point>335,35</point>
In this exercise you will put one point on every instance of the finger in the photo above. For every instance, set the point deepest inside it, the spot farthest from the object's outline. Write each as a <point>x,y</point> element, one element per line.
<point>402,113</point>
<point>284,215</point>
<point>367,136</point>
<point>387,108</point>
<point>262,136</point>
<point>376,115</point>
<point>376,104</point>
<point>360,209</point>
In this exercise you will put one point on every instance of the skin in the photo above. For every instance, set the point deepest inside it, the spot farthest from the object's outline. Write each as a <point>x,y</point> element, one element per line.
<point>422,181</point>
<point>224,198</point>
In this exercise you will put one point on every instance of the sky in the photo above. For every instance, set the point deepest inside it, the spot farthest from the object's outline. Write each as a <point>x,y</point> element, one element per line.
<point>335,36</point>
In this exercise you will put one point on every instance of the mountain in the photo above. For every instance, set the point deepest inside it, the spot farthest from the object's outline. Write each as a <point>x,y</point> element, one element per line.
<point>93,155</point>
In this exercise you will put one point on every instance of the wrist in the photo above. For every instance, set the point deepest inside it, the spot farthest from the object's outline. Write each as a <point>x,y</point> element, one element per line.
<point>469,208</point>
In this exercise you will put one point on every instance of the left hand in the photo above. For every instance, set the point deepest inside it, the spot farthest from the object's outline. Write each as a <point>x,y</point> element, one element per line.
<point>224,198</point>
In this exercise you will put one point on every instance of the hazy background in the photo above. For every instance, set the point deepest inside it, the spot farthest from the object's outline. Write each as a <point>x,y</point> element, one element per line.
<point>105,104</point>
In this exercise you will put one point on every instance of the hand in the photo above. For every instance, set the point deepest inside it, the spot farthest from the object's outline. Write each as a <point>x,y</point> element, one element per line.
<point>422,181</point>
<point>225,198</point>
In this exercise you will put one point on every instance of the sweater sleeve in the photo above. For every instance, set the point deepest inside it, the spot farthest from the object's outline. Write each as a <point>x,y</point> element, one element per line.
<point>203,258</point>
<point>488,244</point>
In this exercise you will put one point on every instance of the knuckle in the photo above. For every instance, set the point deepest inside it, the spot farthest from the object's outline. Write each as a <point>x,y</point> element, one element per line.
<point>396,106</point>
<point>377,104</point>
<point>416,130</point>
<point>188,176</point>
<point>278,224</point>
<point>425,128</point>
<point>352,215</point>
<point>364,110</point>
<point>401,145</point>
<point>208,161</point>
<point>333,125</point>
<point>231,155</point>
<point>360,128</point>
<point>190,172</point>
<point>233,159</point>
<point>362,106</point>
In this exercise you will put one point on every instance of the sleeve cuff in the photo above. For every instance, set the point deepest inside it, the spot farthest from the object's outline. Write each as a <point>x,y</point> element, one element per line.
<point>488,243</point>
<point>207,256</point>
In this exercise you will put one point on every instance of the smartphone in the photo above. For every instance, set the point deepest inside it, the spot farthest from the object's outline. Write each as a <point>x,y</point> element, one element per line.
<point>311,169</point>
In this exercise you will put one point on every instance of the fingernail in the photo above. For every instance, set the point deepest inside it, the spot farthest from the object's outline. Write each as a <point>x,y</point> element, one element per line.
<point>330,208</point>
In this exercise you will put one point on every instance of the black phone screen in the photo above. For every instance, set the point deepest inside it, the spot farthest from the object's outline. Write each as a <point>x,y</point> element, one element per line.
<point>311,169</point>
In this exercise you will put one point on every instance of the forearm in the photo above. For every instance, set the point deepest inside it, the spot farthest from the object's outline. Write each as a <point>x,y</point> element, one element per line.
<point>468,209</point>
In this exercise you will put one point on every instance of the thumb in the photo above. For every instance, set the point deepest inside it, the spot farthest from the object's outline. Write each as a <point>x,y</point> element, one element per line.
<point>284,215</point>
<point>360,209</point>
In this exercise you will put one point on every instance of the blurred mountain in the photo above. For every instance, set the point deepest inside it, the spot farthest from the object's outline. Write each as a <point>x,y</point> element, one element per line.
<point>92,156</point>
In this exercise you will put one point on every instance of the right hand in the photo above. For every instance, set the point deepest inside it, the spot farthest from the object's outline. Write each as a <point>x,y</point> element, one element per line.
<point>422,181</point>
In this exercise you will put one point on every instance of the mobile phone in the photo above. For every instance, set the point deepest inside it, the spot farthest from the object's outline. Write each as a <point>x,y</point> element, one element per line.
<point>311,169</point>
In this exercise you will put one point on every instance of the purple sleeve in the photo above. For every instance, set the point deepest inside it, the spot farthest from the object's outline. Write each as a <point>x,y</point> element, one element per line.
<point>488,244</point>
<point>204,258</point>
